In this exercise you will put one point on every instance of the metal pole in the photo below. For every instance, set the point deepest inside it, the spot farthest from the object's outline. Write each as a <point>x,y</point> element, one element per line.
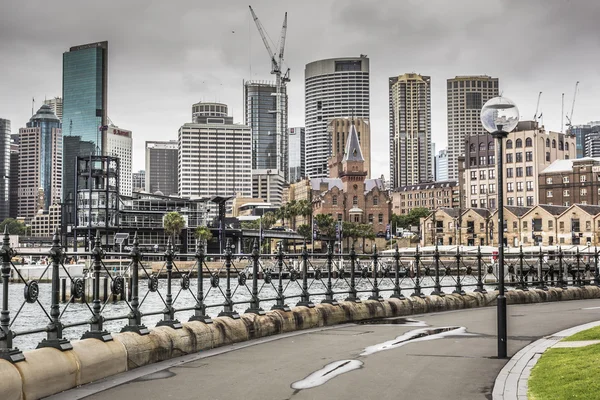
<point>280,304</point>
<point>255,303</point>
<point>375,291</point>
<point>7,352</point>
<point>228,307</point>
<point>329,292</point>
<point>169,311</point>
<point>397,289</point>
<point>305,296</point>
<point>200,307</point>
<point>134,319</point>
<point>501,300</point>
<point>96,323</point>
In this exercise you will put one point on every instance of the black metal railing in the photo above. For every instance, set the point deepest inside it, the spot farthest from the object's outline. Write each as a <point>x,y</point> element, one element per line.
<point>109,295</point>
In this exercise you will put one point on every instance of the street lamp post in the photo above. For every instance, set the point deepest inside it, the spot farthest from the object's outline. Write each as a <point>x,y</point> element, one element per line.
<point>500,116</point>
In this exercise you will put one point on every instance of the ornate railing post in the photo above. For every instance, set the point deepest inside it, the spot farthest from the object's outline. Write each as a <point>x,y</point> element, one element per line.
<point>305,296</point>
<point>375,292</point>
<point>200,307</point>
<point>329,290</point>
<point>169,311</point>
<point>480,287</point>
<point>352,295</point>
<point>228,310</point>
<point>280,304</point>
<point>97,321</point>
<point>542,280</point>
<point>578,259</point>
<point>7,352</point>
<point>596,271</point>
<point>255,302</point>
<point>417,289</point>
<point>561,270</point>
<point>437,287</point>
<point>55,327</point>
<point>134,319</point>
<point>459,289</point>
<point>522,278</point>
<point>397,289</point>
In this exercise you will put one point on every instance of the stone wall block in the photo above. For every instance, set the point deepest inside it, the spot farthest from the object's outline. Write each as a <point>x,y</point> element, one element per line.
<point>99,359</point>
<point>11,385</point>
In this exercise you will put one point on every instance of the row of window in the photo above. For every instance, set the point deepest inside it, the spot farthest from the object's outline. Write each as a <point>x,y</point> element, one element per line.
<point>567,192</point>
<point>566,179</point>
<point>482,174</point>
<point>334,200</point>
<point>510,201</point>
<point>519,172</point>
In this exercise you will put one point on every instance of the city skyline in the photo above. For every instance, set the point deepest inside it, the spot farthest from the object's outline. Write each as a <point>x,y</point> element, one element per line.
<point>216,63</point>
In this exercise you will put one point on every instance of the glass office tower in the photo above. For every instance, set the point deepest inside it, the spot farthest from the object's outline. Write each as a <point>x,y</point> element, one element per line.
<point>85,70</point>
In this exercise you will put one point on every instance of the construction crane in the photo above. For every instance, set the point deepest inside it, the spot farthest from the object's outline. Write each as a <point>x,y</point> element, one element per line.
<point>280,84</point>
<point>537,107</point>
<point>570,117</point>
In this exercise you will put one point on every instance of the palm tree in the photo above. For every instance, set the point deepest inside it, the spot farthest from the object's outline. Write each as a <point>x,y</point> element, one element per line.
<point>203,234</point>
<point>305,231</point>
<point>304,209</point>
<point>268,220</point>
<point>173,224</point>
<point>292,211</point>
<point>365,231</point>
<point>326,226</point>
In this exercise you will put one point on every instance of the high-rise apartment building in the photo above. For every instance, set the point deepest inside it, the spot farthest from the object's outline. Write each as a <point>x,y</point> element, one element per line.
<point>268,185</point>
<point>581,132</point>
<point>339,130</point>
<point>296,146</point>
<point>84,94</point>
<point>40,163</point>
<point>334,88</point>
<point>119,144</point>
<point>441,165</point>
<point>592,144</point>
<point>4,168</point>
<point>269,145</point>
<point>138,181</point>
<point>56,104</point>
<point>466,97</point>
<point>215,158</point>
<point>161,167</point>
<point>410,129</point>
<point>14,179</point>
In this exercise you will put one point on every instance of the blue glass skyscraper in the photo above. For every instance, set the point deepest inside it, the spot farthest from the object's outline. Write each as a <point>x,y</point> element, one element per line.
<point>85,73</point>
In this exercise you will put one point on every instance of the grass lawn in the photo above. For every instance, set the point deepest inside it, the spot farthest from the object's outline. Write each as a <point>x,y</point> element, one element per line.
<point>589,334</point>
<point>567,373</point>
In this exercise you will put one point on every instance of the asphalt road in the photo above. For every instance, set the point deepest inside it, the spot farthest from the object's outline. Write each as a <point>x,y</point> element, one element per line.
<point>451,367</point>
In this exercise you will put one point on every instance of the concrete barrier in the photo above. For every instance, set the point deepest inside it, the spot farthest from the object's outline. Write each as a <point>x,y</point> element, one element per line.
<point>48,371</point>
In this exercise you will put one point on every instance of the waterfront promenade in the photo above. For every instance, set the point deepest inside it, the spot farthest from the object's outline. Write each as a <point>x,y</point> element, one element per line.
<point>457,366</point>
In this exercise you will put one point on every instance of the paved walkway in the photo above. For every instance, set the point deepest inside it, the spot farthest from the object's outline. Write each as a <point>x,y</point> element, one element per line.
<point>353,361</point>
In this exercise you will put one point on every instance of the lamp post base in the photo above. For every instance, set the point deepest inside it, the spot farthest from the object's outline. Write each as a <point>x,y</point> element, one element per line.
<point>502,336</point>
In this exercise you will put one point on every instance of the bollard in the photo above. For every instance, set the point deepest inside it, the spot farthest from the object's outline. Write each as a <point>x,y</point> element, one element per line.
<point>134,318</point>
<point>397,289</point>
<point>63,290</point>
<point>255,302</point>
<point>104,289</point>
<point>305,297</point>
<point>280,302</point>
<point>200,307</point>
<point>54,337</point>
<point>596,272</point>
<point>437,287</point>
<point>375,291</point>
<point>352,295</point>
<point>480,288</point>
<point>96,322</point>
<point>228,307</point>
<point>329,291</point>
<point>169,311</point>
<point>417,288</point>
<point>7,352</point>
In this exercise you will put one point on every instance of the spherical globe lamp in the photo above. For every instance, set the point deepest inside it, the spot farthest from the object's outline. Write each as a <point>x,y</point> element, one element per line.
<point>499,114</point>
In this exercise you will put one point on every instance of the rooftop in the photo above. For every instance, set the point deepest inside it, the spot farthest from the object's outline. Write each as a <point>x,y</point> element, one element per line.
<point>567,165</point>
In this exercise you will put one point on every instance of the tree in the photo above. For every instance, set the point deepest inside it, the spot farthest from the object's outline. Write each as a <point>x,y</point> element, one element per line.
<point>304,209</point>
<point>365,231</point>
<point>325,224</point>
<point>413,218</point>
<point>15,227</point>
<point>305,231</point>
<point>268,220</point>
<point>292,212</point>
<point>173,223</point>
<point>350,230</point>
<point>203,233</point>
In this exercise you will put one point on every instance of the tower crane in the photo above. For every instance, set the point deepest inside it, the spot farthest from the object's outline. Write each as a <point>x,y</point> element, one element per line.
<point>570,117</point>
<point>537,107</point>
<point>280,84</point>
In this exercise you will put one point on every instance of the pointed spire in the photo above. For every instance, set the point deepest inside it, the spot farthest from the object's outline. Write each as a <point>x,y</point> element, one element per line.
<point>353,151</point>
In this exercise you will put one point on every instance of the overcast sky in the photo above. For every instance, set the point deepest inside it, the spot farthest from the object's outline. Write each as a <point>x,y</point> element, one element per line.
<point>166,55</point>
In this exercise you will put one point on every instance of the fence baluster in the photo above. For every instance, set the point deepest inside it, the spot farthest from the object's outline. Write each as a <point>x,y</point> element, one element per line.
<point>329,289</point>
<point>375,292</point>
<point>417,289</point>
<point>578,258</point>
<point>437,287</point>
<point>542,280</point>
<point>200,307</point>
<point>459,289</point>
<point>280,303</point>
<point>480,287</point>
<point>55,327</point>
<point>97,321</point>
<point>255,302</point>
<point>228,307</point>
<point>352,295</point>
<point>169,311</point>
<point>305,296</point>
<point>7,352</point>
<point>596,272</point>
<point>134,319</point>
<point>397,289</point>
<point>561,270</point>
<point>522,278</point>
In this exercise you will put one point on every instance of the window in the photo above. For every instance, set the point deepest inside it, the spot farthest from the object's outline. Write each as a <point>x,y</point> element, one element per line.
<point>553,143</point>
<point>528,171</point>
<point>473,175</point>
<point>473,189</point>
<point>582,178</point>
<point>482,174</point>
<point>588,225</point>
<point>529,156</point>
<point>561,145</point>
<point>509,158</point>
<point>518,144</point>
<point>519,157</point>
<point>509,172</point>
<point>473,203</point>
<point>548,156</point>
<point>583,192</point>
<point>519,186</point>
<point>551,224</point>
<point>509,187</point>
<point>529,200</point>
<point>492,203</point>
<point>375,200</point>
<point>472,148</point>
<point>566,146</point>
<point>380,218</point>
<point>525,225</point>
<point>492,188</point>
<point>334,200</point>
<point>510,201</point>
<point>491,159</point>
<point>520,201</point>
<point>565,179</point>
<point>491,145</point>
<point>528,142</point>
<point>370,218</point>
<point>549,193</point>
<point>519,171</point>
<point>561,225</point>
<point>515,225</point>
<point>473,161</point>
<point>549,181</point>
<point>492,174</point>
<point>481,146</point>
<point>482,203</point>
<point>482,189</point>
<point>566,193</point>
<point>509,144</point>
<point>481,160</point>
<point>529,186</point>
<point>355,201</point>
<point>547,142</point>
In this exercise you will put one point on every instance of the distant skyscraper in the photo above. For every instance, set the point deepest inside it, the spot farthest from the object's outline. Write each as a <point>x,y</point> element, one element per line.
<point>4,168</point>
<point>215,158</point>
<point>466,97</point>
<point>138,181</point>
<point>339,130</point>
<point>581,132</point>
<point>85,84</point>
<point>410,129</point>
<point>334,88</point>
<point>40,163</point>
<point>119,144</point>
<point>268,151</point>
<point>56,104</point>
<point>441,165</point>
<point>14,180</point>
<point>296,145</point>
<point>592,144</point>
<point>161,167</point>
